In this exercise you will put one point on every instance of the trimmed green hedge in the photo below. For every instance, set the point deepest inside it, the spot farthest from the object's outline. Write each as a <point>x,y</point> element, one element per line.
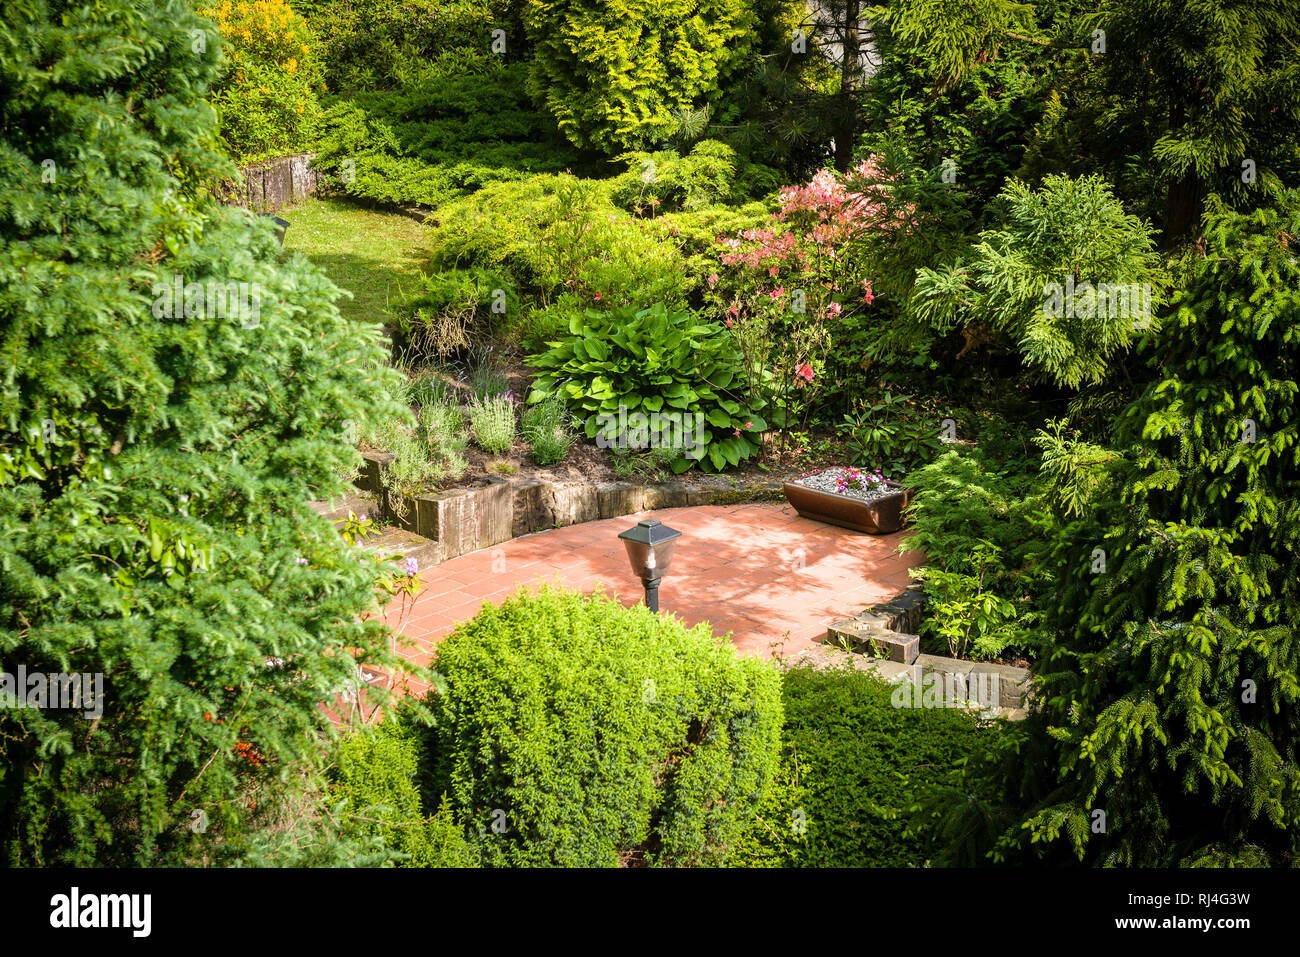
<point>576,732</point>
<point>376,774</point>
<point>854,771</point>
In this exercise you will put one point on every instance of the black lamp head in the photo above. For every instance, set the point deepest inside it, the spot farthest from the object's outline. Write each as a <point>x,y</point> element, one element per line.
<point>650,548</point>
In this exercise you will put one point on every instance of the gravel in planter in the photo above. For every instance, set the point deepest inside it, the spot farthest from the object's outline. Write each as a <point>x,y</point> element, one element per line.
<point>827,480</point>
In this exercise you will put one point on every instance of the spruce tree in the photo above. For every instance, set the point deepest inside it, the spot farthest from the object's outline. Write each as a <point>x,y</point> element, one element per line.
<point>157,453</point>
<point>1067,278</point>
<point>1171,696</point>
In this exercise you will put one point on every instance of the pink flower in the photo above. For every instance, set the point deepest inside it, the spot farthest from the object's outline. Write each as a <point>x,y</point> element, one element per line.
<point>868,296</point>
<point>834,310</point>
<point>597,297</point>
<point>713,279</point>
<point>805,372</point>
<point>749,425</point>
<point>730,322</point>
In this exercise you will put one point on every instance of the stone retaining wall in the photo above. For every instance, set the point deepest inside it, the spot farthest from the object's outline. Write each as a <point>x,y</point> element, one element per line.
<point>271,185</point>
<point>463,520</point>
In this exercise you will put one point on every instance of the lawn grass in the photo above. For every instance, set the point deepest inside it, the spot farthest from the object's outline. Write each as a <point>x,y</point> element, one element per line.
<point>378,256</point>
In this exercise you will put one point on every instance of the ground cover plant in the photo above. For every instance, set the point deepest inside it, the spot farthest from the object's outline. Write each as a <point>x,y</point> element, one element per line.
<point>623,366</point>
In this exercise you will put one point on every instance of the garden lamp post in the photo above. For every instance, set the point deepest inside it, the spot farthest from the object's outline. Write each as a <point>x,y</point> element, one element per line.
<point>650,551</point>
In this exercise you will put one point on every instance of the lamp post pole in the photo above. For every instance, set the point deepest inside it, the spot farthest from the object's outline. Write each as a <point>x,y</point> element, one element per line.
<point>651,593</point>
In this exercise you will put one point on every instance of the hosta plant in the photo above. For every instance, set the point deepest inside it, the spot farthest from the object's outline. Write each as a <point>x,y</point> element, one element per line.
<point>653,378</point>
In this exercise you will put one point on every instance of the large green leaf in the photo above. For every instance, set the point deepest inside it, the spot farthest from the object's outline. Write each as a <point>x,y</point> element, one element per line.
<point>737,448</point>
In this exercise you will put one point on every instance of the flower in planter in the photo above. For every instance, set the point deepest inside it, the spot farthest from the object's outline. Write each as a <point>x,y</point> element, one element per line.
<point>857,481</point>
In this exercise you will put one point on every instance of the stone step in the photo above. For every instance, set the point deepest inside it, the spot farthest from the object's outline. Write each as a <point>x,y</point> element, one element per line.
<point>398,543</point>
<point>336,510</point>
<point>1010,685</point>
<point>874,639</point>
<point>828,657</point>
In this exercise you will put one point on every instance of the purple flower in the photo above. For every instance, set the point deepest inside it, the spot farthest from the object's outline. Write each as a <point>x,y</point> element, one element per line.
<point>301,561</point>
<point>412,566</point>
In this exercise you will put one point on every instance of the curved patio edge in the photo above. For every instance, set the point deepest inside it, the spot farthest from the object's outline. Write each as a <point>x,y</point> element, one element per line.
<point>464,520</point>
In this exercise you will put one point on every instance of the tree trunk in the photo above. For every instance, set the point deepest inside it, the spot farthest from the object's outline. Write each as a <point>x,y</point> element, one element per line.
<point>1186,194</point>
<point>1183,212</point>
<point>846,133</point>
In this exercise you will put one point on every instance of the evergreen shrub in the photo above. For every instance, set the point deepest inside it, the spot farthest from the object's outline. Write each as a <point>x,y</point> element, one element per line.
<point>594,735</point>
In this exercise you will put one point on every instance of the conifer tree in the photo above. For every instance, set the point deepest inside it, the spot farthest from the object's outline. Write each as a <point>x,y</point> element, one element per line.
<point>157,453</point>
<point>1179,98</point>
<point>1172,691</point>
<point>1019,280</point>
<point>614,73</point>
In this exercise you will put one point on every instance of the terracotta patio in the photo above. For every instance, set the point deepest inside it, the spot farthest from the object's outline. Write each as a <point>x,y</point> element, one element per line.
<point>760,572</point>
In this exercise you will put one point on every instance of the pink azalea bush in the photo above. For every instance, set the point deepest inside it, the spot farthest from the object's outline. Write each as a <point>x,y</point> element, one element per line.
<point>780,286</point>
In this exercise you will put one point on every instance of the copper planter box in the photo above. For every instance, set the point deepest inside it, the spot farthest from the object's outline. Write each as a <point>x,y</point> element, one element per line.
<point>879,517</point>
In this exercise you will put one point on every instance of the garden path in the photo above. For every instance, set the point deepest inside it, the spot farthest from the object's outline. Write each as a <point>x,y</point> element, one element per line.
<point>772,579</point>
